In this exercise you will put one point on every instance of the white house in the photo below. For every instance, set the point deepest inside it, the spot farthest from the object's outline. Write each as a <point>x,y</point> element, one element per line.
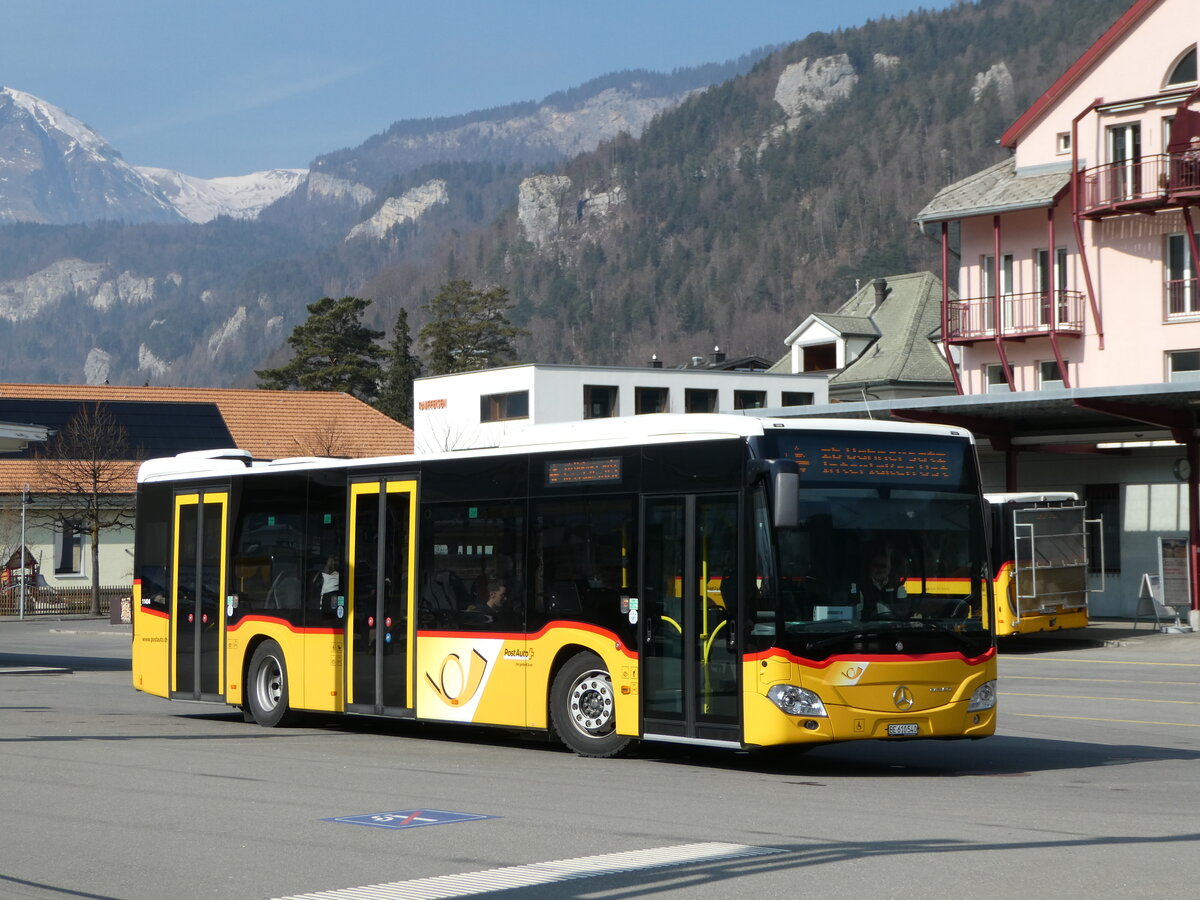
<point>474,409</point>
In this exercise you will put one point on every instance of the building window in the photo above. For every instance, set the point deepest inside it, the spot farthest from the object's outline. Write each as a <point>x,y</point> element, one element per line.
<point>599,401</point>
<point>696,400</point>
<point>820,357</point>
<point>503,407</point>
<point>797,398</point>
<point>650,400</point>
<point>1103,502</point>
<point>994,380</point>
<point>1184,71</point>
<point>1053,306</point>
<point>749,399</point>
<point>1124,172</point>
<point>1062,143</point>
<point>1183,365</point>
<point>68,549</point>
<point>1050,376</point>
<point>1183,298</point>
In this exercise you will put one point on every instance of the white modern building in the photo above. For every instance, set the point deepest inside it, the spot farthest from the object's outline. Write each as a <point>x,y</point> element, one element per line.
<point>475,409</point>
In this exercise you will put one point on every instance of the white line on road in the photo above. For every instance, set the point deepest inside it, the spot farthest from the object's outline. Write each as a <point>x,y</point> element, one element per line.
<point>534,874</point>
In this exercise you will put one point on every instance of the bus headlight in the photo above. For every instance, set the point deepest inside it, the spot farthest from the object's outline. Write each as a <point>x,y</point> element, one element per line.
<point>983,698</point>
<point>796,701</point>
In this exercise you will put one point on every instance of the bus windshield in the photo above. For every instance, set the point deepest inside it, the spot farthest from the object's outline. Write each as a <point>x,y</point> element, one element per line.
<point>887,556</point>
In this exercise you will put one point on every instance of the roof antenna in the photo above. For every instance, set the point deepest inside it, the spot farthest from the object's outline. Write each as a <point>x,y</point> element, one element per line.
<point>866,403</point>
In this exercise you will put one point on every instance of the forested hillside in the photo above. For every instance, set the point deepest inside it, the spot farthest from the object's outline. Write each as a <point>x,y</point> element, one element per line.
<point>738,220</point>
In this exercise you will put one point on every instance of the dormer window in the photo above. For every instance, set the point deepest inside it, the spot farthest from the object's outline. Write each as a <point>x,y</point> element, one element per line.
<point>1184,70</point>
<point>820,357</point>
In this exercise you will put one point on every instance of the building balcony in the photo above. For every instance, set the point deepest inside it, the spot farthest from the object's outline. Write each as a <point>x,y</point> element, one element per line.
<point>1022,316</point>
<point>1142,185</point>
<point>1181,300</point>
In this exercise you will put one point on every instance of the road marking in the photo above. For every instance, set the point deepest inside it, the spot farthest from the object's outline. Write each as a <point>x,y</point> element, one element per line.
<point>1085,697</point>
<point>534,874</point>
<point>1095,719</point>
<point>409,818</point>
<point>1097,662</point>
<point>1097,680</point>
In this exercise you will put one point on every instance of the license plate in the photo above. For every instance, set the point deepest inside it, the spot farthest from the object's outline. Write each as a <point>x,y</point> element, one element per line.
<point>908,729</point>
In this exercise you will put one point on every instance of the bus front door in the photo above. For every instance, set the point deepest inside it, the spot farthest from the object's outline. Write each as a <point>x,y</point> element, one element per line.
<point>689,652</point>
<point>380,623</point>
<point>197,594</point>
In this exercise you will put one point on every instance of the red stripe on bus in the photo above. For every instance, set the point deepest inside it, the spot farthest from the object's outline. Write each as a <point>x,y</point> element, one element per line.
<point>870,657</point>
<point>274,620</point>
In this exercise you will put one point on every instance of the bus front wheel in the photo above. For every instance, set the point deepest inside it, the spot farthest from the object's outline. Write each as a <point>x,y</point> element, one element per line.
<point>267,686</point>
<point>582,709</point>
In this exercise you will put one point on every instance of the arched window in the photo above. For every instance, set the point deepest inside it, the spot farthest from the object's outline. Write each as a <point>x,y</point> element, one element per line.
<point>1184,71</point>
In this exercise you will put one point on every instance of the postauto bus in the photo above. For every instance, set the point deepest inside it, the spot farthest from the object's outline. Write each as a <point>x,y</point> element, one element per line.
<point>688,578</point>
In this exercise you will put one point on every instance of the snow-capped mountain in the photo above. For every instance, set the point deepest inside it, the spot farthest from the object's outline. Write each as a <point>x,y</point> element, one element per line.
<point>239,196</point>
<point>56,170</point>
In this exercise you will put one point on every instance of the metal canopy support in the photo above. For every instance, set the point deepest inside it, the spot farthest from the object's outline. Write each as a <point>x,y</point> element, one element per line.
<point>958,388</point>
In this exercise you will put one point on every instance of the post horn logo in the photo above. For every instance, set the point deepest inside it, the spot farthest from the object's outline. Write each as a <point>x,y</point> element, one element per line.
<point>455,686</point>
<point>903,698</point>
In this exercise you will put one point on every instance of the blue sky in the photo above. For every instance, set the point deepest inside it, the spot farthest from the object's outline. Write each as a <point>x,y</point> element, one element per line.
<point>215,87</point>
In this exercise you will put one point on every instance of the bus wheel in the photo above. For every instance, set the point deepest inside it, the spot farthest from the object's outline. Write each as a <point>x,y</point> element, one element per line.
<point>267,686</point>
<point>582,710</point>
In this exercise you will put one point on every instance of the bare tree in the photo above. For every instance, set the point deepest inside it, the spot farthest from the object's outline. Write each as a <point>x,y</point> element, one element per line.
<point>88,468</point>
<point>330,438</point>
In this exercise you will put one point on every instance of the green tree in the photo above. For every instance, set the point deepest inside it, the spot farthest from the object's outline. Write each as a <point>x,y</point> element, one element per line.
<point>334,351</point>
<point>468,329</point>
<point>396,392</point>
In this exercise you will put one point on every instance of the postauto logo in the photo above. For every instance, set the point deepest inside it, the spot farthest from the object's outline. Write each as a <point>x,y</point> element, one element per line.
<point>457,683</point>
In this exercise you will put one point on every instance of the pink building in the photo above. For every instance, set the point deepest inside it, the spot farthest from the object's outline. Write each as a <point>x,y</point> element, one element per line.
<point>1076,257</point>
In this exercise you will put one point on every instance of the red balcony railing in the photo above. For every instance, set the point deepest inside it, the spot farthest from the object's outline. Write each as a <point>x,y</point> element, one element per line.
<point>1182,299</point>
<point>1021,316</point>
<point>1150,182</point>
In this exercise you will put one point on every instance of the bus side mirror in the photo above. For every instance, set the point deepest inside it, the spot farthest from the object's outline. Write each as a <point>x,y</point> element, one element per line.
<point>787,495</point>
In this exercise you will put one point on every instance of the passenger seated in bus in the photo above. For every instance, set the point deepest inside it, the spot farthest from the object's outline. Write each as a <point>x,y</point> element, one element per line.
<point>498,609</point>
<point>328,585</point>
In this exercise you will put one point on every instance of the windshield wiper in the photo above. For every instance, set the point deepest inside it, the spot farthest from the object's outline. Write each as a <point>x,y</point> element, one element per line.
<point>929,625</point>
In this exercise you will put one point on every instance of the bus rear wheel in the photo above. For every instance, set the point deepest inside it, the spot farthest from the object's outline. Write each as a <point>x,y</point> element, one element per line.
<point>582,709</point>
<point>267,686</point>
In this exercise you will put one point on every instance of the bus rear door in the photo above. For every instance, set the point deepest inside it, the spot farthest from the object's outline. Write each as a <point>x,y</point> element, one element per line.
<point>689,653</point>
<point>197,594</point>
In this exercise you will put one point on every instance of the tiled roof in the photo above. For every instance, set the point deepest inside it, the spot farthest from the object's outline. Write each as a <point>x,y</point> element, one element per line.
<point>908,318</point>
<point>269,424</point>
<point>996,189</point>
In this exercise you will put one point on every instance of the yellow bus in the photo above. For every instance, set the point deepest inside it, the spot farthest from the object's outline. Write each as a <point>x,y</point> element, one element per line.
<point>687,578</point>
<point>1039,561</point>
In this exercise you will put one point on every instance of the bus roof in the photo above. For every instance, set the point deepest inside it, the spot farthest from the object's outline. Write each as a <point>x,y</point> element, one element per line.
<point>655,428</point>
<point>1031,497</point>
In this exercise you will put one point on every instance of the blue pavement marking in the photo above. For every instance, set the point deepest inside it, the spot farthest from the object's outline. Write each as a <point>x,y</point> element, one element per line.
<point>409,818</point>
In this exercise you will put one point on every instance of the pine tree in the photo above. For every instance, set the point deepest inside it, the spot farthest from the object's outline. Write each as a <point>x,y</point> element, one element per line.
<point>468,329</point>
<point>334,352</point>
<point>396,392</point>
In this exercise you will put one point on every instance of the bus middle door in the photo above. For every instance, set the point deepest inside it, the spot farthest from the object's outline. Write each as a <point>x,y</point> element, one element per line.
<point>689,654</point>
<point>379,622</point>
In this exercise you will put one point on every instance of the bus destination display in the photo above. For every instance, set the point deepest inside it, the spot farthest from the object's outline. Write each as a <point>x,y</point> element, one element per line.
<point>837,460</point>
<point>583,471</point>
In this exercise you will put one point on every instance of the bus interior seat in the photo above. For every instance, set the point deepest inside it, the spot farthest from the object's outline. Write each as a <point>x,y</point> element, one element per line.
<point>285,592</point>
<point>445,591</point>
